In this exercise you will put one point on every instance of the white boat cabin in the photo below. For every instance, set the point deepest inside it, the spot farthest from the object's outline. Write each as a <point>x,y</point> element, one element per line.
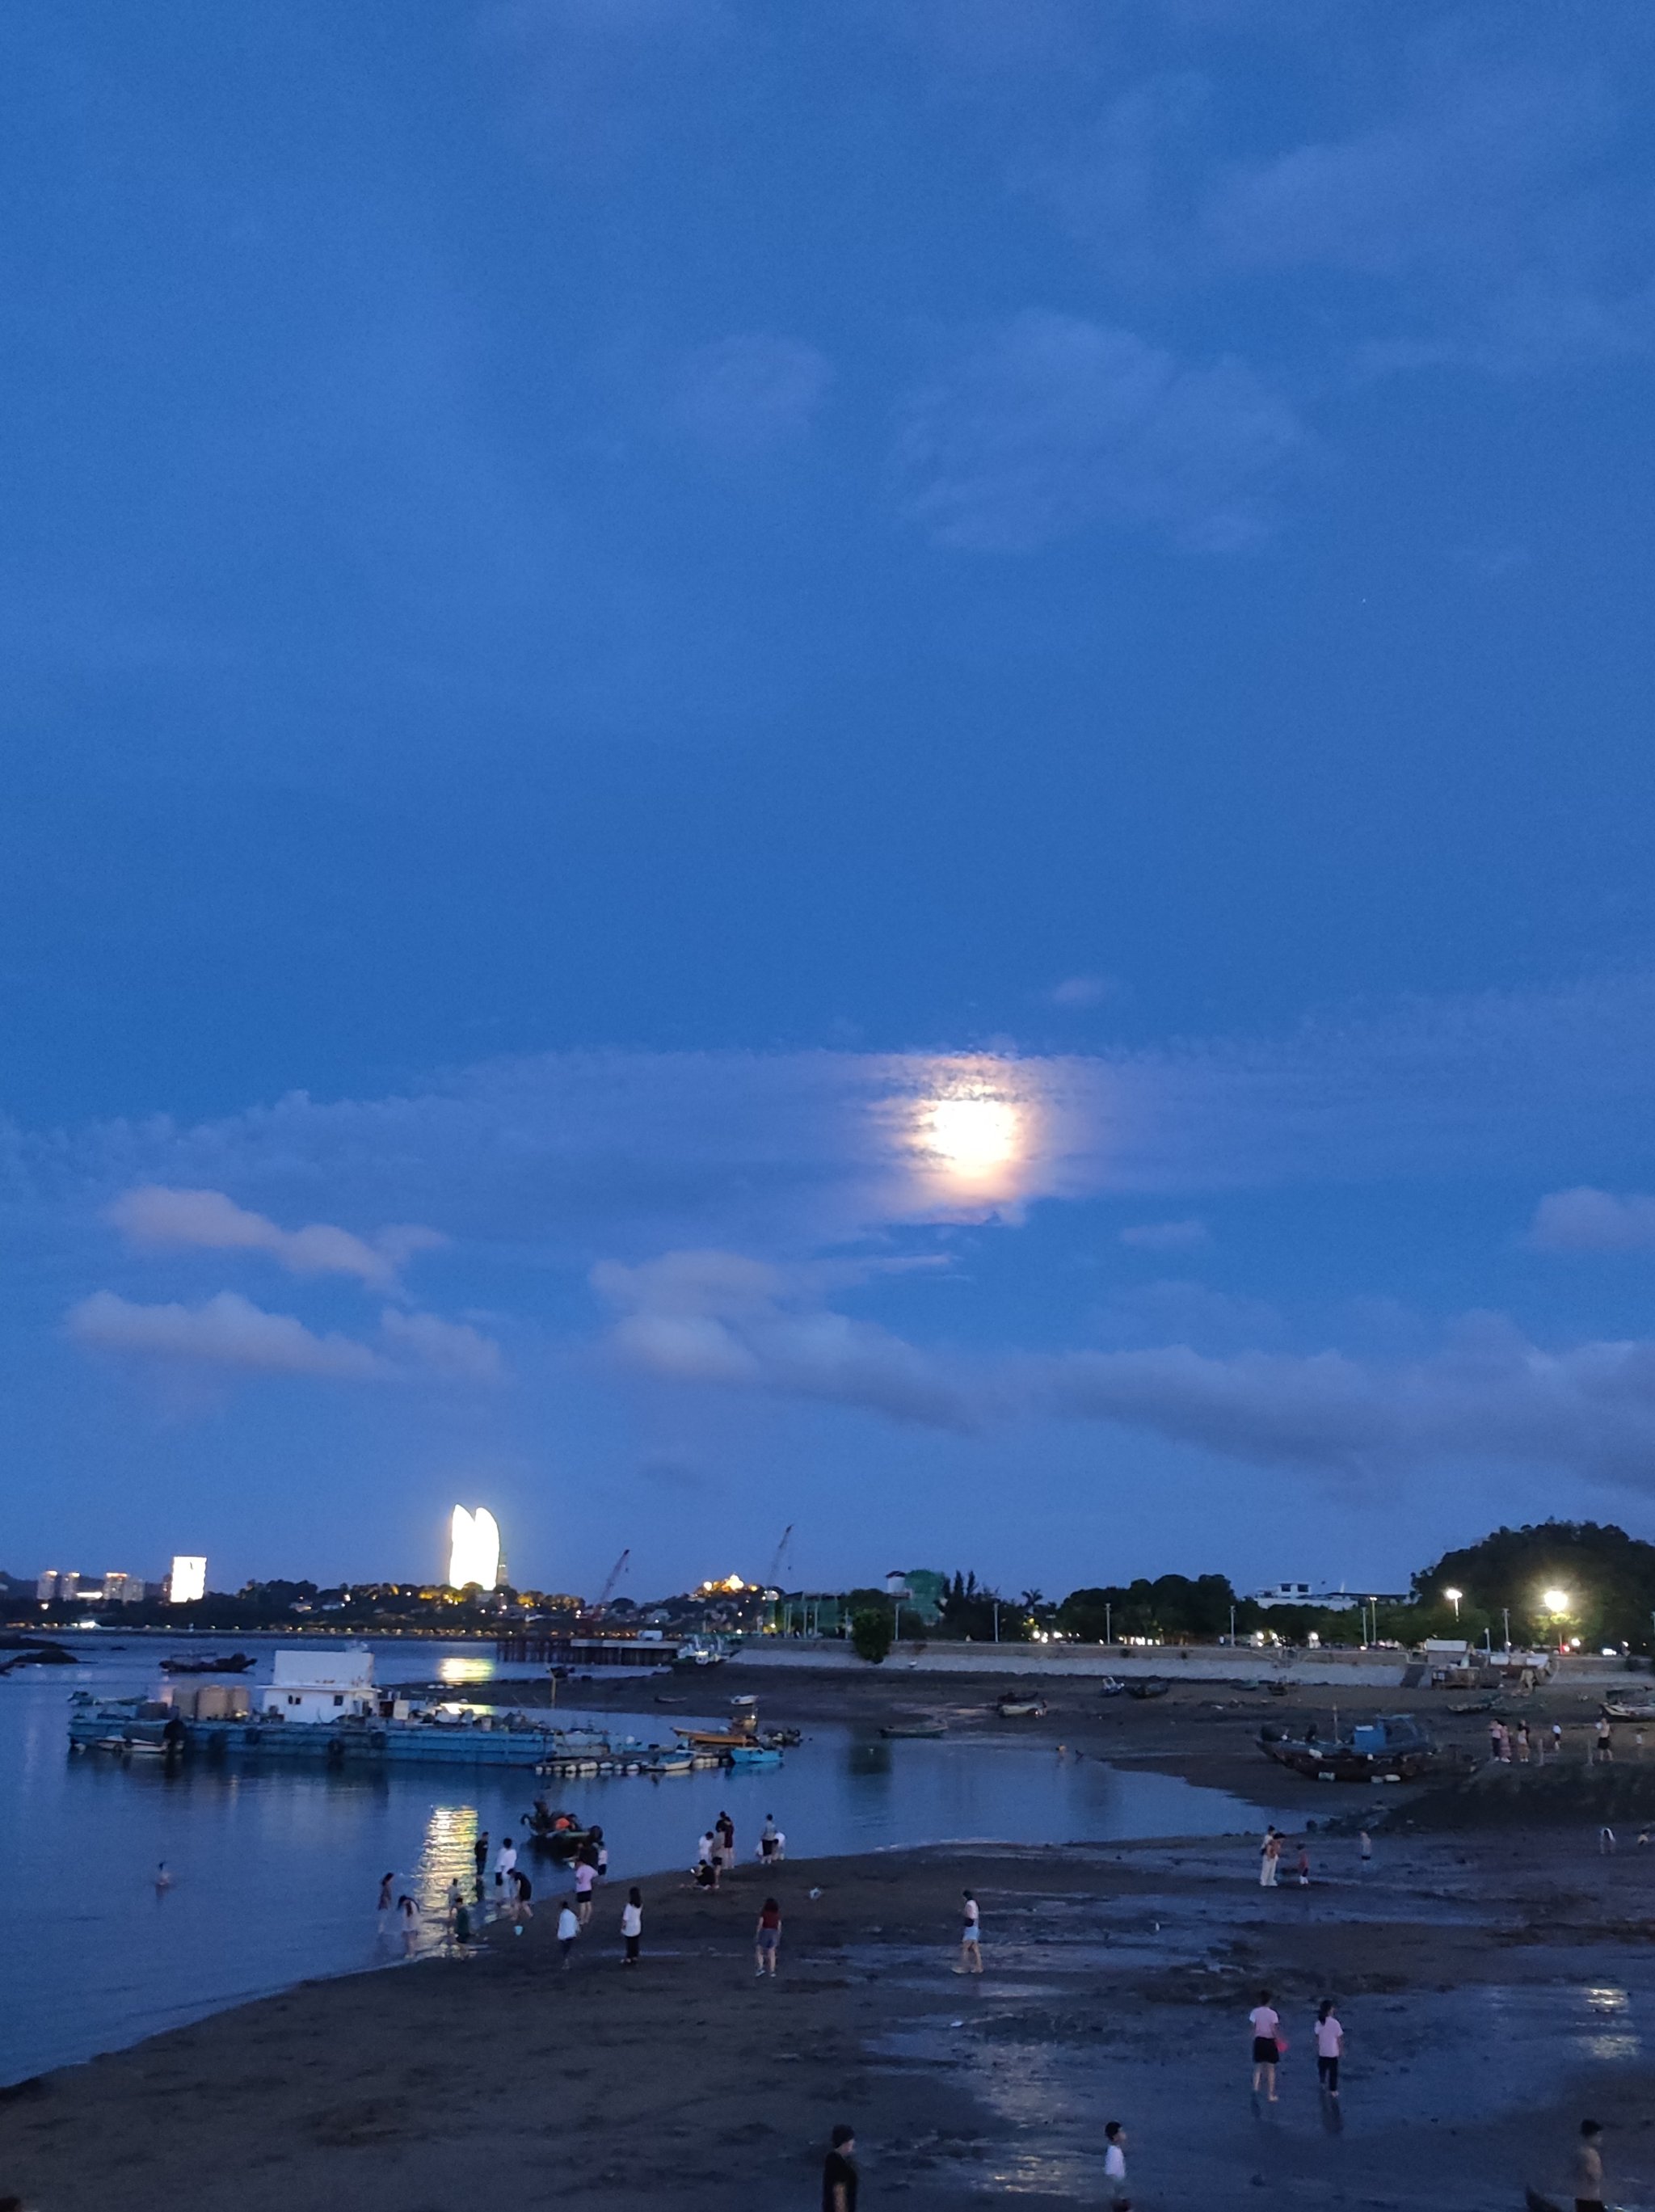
<point>322,1685</point>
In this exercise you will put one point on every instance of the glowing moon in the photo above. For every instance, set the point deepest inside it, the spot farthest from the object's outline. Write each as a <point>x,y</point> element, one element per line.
<point>971,1136</point>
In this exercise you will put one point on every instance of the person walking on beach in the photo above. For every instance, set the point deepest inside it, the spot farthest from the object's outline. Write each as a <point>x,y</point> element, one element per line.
<point>1114,2165</point>
<point>971,1939</point>
<point>839,2173</point>
<point>1606,1842</point>
<point>1330,2047</point>
<point>586,1874</point>
<point>568,1927</point>
<point>1523,1743</point>
<point>1365,1852</point>
<point>631,1925</point>
<point>1266,2024</point>
<point>505,1860</point>
<point>1303,1868</point>
<point>1270,1860</point>
<point>1557,1739</point>
<point>726,1828</point>
<point>1589,2168</point>
<point>768,1838</point>
<point>1606,1744</point>
<point>766,1939</point>
<point>1495,1732</point>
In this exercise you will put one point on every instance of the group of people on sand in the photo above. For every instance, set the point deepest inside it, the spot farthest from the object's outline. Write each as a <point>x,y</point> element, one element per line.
<point>715,1853</point>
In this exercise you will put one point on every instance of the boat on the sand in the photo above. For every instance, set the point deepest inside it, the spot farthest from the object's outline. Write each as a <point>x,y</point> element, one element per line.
<point>1151,1685</point>
<point>1021,1709</point>
<point>1391,1748</point>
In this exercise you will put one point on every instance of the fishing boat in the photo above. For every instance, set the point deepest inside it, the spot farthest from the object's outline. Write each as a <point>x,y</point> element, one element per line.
<point>238,1663</point>
<point>559,1832</point>
<point>753,1754</point>
<point>1393,1748</point>
<point>913,1728</point>
<point>1629,1705</point>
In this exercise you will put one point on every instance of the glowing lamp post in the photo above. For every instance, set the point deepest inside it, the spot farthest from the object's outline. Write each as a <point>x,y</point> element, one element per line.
<point>1558,1605</point>
<point>1454,1597</point>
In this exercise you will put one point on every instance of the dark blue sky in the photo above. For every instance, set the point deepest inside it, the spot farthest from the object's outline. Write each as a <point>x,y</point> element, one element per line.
<point>608,602</point>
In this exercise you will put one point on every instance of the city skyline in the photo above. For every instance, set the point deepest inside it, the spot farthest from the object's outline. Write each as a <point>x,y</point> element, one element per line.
<point>887,771</point>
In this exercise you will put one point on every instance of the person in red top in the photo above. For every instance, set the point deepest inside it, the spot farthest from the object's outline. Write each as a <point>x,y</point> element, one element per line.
<point>766,1940</point>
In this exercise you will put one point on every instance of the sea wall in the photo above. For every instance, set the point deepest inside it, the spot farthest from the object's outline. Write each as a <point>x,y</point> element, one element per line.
<point>1197,1662</point>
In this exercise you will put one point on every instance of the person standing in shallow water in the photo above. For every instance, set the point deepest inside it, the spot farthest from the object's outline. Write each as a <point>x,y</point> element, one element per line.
<point>480,1858</point>
<point>971,1938</point>
<point>1589,2168</point>
<point>1270,1860</point>
<point>1266,2024</point>
<point>1330,2047</point>
<point>839,2173</point>
<point>1114,2167</point>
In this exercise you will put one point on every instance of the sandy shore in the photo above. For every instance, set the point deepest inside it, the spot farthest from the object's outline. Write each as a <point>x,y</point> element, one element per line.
<point>1495,1984</point>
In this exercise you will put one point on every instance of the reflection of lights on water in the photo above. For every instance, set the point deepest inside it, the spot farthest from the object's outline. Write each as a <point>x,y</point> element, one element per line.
<point>1606,1999</point>
<point>464,1670</point>
<point>445,1856</point>
<point>971,1136</point>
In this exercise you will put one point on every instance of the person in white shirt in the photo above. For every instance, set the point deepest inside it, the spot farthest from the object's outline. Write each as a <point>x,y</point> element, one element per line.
<point>1330,2046</point>
<point>504,1861</point>
<point>585,1875</point>
<point>1114,2165</point>
<point>568,1929</point>
<point>632,1925</point>
<point>1266,2022</point>
<point>971,1945</point>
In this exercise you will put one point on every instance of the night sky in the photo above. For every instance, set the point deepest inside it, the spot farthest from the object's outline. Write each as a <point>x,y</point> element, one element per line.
<point>884,765</point>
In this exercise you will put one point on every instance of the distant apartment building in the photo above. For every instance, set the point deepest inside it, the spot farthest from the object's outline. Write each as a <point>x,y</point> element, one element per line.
<point>56,1587</point>
<point>1325,1601</point>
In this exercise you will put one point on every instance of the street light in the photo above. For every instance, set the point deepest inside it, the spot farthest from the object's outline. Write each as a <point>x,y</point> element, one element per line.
<point>1454,1597</point>
<point>1556,1601</point>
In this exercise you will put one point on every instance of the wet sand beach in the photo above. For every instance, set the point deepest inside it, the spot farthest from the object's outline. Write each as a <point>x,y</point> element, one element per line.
<point>1495,1983</point>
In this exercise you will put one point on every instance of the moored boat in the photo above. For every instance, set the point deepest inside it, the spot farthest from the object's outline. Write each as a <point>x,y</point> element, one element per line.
<point>1391,1748</point>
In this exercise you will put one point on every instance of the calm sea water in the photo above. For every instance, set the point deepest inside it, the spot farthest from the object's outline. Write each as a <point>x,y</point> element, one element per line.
<point>276,1872</point>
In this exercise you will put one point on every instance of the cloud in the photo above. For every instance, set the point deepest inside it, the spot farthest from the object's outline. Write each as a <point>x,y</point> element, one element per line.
<point>1182,1236</point>
<point>156,1218</point>
<point>718,1317</point>
<point>1586,1220</point>
<point>227,1331</point>
<point>1054,425</point>
<point>1081,991</point>
<point>445,1347</point>
<point>752,392</point>
<point>1490,1396</point>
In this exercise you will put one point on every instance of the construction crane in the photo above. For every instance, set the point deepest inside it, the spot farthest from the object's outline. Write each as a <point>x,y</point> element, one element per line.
<point>772,1580</point>
<point>595,1610</point>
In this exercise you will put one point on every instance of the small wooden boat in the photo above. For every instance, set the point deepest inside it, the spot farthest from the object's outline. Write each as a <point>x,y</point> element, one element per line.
<point>913,1728</point>
<point>1393,1747</point>
<point>1629,1706</point>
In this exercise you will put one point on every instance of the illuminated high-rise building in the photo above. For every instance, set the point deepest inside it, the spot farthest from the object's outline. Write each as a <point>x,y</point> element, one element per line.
<point>473,1549</point>
<point>188,1580</point>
